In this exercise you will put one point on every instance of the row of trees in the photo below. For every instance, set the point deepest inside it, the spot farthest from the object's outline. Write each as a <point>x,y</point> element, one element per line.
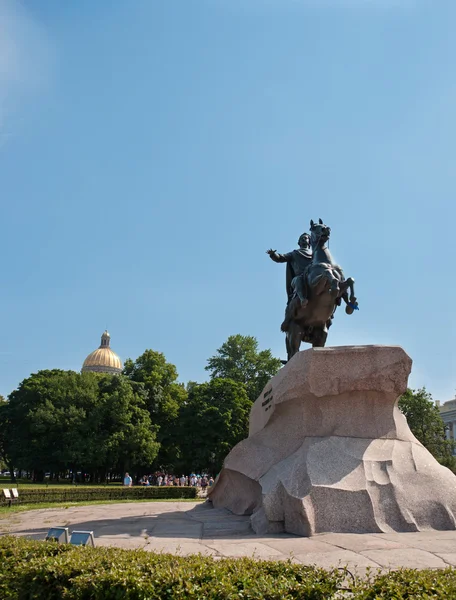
<point>58,421</point>
<point>146,420</point>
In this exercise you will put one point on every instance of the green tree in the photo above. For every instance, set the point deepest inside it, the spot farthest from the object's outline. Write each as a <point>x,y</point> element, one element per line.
<point>61,420</point>
<point>128,438</point>
<point>213,420</point>
<point>4,426</point>
<point>426,423</point>
<point>240,360</point>
<point>165,396</point>
<point>46,414</point>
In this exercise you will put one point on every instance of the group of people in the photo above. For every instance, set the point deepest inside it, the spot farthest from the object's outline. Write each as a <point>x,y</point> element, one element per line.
<point>200,481</point>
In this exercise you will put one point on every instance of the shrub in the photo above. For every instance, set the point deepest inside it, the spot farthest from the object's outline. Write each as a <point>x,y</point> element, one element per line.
<point>409,584</point>
<point>84,494</point>
<point>31,569</point>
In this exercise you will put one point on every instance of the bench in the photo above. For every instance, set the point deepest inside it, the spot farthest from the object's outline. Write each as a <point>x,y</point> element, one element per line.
<point>7,496</point>
<point>11,495</point>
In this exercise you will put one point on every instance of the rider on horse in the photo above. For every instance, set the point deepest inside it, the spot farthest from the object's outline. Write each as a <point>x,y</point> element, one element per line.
<point>297,264</point>
<point>316,285</point>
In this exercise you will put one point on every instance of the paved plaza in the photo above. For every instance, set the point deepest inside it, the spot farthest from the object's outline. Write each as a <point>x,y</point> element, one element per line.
<point>189,528</point>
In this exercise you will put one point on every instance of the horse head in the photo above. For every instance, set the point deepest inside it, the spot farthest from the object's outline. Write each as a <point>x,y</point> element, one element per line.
<point>319,233</point>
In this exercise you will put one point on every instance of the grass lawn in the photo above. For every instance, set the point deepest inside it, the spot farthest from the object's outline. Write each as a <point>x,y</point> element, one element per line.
<point>17,508</point>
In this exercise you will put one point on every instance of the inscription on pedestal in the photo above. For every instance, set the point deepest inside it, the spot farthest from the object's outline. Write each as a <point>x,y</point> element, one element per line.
<point>267,400</point>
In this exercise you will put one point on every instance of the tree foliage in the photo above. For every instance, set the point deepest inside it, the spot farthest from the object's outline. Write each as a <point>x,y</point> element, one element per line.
<point>240,360</point>
<point>3,433</point>
<point>425,421</point>
<point>213,420</point>
<point>164,398</point>
<point>60,420</point>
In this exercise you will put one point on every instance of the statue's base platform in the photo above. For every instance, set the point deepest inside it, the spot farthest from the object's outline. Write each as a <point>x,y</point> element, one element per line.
<point>330,451</point>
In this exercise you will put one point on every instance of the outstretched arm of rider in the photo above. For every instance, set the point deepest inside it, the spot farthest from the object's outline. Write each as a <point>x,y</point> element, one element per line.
<point>278,258</point>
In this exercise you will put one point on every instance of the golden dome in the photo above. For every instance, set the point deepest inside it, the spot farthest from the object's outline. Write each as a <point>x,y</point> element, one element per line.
<point>103,359</point>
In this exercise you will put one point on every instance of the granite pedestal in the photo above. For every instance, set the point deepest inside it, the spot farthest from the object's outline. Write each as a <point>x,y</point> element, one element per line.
<point>330,451</point>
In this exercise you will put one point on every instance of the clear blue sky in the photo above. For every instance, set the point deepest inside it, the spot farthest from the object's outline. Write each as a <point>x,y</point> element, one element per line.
<point>151,151</point>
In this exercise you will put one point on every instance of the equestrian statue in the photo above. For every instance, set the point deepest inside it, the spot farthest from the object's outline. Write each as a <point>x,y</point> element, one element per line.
<point>316,286</point>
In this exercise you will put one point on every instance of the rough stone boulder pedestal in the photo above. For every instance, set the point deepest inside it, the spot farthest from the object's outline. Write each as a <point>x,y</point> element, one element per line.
<point>329,451</point>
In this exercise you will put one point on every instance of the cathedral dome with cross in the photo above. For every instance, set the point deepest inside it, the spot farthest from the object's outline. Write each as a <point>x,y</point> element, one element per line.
<point>103,359</point>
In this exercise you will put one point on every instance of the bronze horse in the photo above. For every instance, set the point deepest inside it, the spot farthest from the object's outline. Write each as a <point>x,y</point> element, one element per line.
<point>326,287</point>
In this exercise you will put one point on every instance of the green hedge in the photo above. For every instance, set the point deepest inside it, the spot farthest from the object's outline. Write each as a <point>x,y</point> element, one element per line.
<point>30,569</point>
<point>84,494</point>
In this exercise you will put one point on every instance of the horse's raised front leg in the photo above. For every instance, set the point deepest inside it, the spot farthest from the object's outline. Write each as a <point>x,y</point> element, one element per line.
<point>349,301</point>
